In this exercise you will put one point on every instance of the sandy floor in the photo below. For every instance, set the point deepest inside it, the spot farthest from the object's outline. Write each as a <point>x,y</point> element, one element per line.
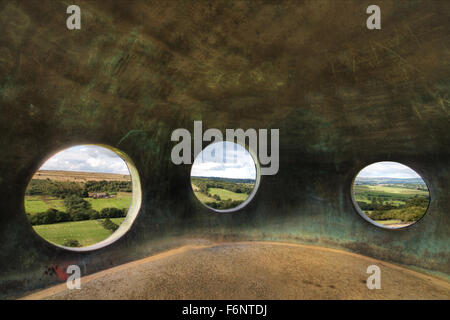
<point>252,270</point>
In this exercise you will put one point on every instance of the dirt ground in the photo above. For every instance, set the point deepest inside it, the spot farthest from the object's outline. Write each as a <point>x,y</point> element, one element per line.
<point>252,270</point>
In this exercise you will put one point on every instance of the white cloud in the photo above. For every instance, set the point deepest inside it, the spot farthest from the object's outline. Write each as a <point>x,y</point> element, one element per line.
<point>388,169</point>
<point>225,160</point>
<point>88,159</point>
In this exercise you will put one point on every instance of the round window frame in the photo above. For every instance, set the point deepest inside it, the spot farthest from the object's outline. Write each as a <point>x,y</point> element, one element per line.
<point>372,222</point>
<point>133,209</point>
<point>250,196</point>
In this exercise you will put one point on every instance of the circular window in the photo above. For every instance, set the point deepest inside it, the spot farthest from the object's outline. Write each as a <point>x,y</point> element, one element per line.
<point>390,195</point>
<point>224,176</point>
<point>83,197</point>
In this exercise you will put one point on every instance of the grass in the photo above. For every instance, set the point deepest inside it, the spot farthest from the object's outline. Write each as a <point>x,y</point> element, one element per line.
<point>203,197</point>
<point>387,222</point>
<point>397,190</point>
<point>394,202</point>
<point>120,201</point>
<point>226,194</point>
<point>35,204</point>
<point>86,232</point>
<point>117,221</point>
<point>397,195</point>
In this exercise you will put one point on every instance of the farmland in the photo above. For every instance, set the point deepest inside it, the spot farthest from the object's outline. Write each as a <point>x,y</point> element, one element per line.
<point>203,197</point>
<point>222,193</point>
<point>86,232</point>
<point>392,202</point>
<point>35,204</point>
<point>226,194</point>
<point>77,208</point>
<point>76,176</point>
<point>121,200</point>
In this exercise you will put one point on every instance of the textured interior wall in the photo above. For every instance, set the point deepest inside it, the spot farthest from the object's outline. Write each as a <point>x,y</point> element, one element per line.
<point>341,95</point>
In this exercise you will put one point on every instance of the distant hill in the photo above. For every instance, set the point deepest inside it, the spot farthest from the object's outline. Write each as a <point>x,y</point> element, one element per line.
<point>234,180</point>
<point>77,176</point>
<point>386,180</point>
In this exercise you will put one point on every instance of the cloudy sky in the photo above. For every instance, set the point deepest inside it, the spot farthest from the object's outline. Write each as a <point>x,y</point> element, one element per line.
<point>225,160</point>
<point>388,169</point>
<point>87,159</point>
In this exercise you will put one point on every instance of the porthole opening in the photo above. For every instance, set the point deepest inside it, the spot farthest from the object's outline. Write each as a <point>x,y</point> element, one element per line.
<point>390,195</point>
<point>225,176</point>
<point>83,197</point>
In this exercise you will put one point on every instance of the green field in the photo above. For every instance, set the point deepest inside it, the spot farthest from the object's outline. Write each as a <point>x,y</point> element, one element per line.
<point>86,232</point>
<point>121,200</point>
<point>397,194</point>
<point>392,204</point>
<point>389,222</point>
<point>35,204</point>
<point>226,194</point>
<point>59,209</point>
<point>203,197</point>
<point>222,193</point>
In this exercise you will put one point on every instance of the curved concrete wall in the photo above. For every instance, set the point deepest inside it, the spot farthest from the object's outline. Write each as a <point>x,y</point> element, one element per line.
<point>341,95</point>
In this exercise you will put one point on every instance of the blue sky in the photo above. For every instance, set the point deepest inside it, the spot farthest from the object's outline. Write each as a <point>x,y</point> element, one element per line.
<point>236,162</point>
<point>87,158</point>
<point>388,169</point>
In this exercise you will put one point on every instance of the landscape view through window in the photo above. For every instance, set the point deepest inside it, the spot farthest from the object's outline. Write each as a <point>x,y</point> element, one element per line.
<point>391,194</point>
<point>223,175</point>
<point>79,196</point>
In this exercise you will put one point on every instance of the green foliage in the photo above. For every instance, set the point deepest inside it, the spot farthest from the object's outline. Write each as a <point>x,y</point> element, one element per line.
<point>404,202</point>
<point>113,213</point>
<point>413,210</point>
<point>94,215</point>
<point>78,208</point>
<point>391,193</point>
<point>226,194</point>
<point>72,243</point>
<point>54,188</point>
<point>225,204</point>
<point>48,217</point>
<point>62,189</point>
<point>417,202</point>
<point>78,214</point>
<point>109,225</point>
<point>203,184</point>
<point>408,214</point>
<point>108,186</point>
<point>74,203</point>
<point>376,205</point>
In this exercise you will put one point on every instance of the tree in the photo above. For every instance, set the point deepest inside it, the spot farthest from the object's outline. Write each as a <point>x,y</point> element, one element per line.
<point>76,203</point>
<point>112,213</point>
<point>71,243</point>
<point>78,208</point>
